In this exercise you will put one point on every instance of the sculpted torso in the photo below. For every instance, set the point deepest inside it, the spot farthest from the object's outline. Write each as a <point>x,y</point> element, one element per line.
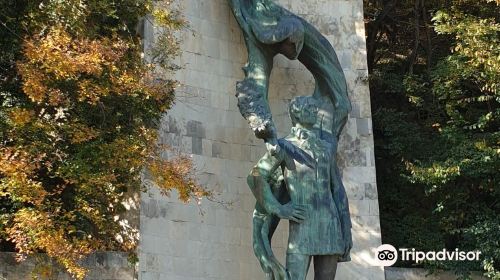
<point>320,232</point>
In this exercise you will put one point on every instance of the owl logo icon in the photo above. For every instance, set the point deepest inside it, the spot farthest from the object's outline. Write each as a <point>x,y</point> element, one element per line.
<point>386,255</point>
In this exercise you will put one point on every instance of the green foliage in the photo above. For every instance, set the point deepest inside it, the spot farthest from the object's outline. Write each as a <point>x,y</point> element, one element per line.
<point>470,77</point>
<point>436,126</point>
<point>78,114</point>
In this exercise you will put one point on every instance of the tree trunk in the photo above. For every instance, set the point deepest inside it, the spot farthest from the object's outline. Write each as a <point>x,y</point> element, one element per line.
<point>414,54</point>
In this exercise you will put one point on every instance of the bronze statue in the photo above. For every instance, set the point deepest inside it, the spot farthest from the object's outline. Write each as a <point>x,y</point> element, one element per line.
<point>298,179</point>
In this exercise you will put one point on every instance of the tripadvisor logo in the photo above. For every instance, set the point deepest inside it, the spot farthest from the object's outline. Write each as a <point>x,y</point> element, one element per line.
<point>387,255</point>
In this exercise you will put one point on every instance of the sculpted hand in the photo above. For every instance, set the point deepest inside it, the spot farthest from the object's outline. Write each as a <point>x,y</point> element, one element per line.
<point>273,149</point>
<point>272,146</point>
<point>290,211</point>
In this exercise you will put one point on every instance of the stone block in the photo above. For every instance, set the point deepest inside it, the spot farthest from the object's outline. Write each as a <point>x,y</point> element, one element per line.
<point>148,275</point>
<point>186,267</point>
<point>217,149</point>
<point>206,147</point>
<point>371,191</point>
<point>359,207</point>
<point>197,146</point>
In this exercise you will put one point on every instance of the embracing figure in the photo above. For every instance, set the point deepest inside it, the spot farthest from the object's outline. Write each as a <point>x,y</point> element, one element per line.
<point>298,179</point>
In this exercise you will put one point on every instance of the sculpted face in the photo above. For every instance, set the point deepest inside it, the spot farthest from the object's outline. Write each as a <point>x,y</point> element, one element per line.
<point>303,110</point>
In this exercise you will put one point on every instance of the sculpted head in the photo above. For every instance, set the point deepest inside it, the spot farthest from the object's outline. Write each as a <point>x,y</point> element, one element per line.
<point>303,110</point>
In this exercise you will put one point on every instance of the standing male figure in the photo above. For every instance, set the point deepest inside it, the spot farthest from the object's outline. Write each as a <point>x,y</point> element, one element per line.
<point>320,226</point>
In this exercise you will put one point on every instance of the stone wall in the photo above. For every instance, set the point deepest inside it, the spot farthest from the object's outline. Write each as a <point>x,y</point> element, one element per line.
<point>102,266</point>
<point>213,241</point>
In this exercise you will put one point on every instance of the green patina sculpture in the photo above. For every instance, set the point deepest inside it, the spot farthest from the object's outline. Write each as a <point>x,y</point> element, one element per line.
<point>298,179</point>
<point>312,198</point>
